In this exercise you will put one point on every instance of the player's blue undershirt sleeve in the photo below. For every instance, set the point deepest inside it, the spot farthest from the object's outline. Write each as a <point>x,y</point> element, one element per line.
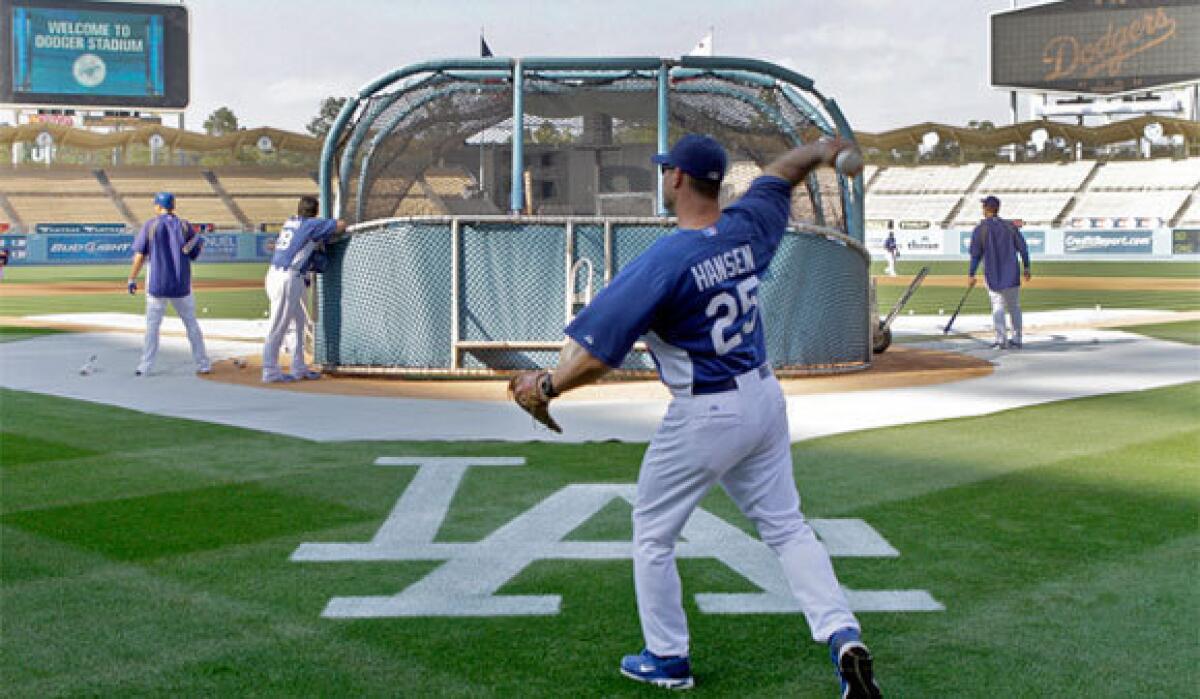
<point>976,249</point>
<point>622,312</point>
<point>1022,249</point>
<point>141,241</point>
<point>768,203</point>
<point>322,229</point>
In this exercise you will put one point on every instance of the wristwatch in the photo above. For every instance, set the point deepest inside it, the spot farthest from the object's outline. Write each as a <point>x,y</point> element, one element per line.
<point>546,385</point>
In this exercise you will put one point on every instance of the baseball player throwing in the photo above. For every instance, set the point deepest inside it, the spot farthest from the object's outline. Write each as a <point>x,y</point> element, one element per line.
<point>693,296</point>
<point>285,288</point>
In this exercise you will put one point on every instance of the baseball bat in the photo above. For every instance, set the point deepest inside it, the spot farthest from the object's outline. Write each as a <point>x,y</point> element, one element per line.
<point>946,330</point>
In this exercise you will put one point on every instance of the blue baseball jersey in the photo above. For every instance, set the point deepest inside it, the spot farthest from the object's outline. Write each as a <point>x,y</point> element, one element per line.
<point>997,243</point>
<point>694,295</point>
<point>170,274</point>
<point>297,239</point>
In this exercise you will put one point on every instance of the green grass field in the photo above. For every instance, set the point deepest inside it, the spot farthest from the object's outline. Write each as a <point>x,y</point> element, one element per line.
<point>143,555</point>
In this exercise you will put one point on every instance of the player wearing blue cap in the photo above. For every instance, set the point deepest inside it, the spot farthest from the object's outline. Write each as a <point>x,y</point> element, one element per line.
<point>997,242</point>
<point>170,244</point>
<point>285,285</point>
<point>693,297</point>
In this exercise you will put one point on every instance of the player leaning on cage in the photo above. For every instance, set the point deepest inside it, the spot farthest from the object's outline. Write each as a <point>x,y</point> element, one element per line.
<point>285,284</point>
<point>170,244</point>
<point>693,295</point>
<point>997,242</point>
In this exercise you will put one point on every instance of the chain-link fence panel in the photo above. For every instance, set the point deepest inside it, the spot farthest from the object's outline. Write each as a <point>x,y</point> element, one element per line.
<point>460,297</point>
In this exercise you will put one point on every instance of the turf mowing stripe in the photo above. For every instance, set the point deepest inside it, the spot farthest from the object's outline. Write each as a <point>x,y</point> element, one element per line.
<point>182,521</point>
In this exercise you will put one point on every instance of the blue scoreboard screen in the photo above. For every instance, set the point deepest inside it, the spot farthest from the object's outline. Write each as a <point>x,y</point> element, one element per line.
<point>92,53</point>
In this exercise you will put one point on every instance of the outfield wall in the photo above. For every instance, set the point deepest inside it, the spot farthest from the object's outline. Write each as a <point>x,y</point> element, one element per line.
<point>1091,244</point>
<point>100,245</point>
<point>108,247</point>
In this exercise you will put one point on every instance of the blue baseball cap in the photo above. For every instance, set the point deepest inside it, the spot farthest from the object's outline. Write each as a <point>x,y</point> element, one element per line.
<point>991,202</point>
<point>165,199</point>
<point>699,156</point>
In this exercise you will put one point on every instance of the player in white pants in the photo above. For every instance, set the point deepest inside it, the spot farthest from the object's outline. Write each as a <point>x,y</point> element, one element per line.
<point>693,295</point>
<point>170,245</point>
<point>285,285</point>
<point>997,243</point>
<point>1007,302</point>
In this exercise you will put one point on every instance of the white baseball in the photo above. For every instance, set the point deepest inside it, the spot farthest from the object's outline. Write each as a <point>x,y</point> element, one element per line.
<point>849,162</point>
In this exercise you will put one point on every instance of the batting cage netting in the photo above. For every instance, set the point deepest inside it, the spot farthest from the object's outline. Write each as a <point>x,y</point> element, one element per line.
<point>492,198</point>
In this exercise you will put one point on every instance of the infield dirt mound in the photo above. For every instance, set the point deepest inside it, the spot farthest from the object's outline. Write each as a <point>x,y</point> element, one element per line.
<point>898,367</point>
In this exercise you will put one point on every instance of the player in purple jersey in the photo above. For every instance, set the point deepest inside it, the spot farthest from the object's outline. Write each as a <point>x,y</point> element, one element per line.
<point>285,286</point>
<point>997,243</point>
<point>170,245</point>
<point>693,296</point>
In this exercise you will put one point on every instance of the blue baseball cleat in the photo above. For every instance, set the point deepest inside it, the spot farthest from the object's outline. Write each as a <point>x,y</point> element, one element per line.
<point>669,672</point>
<point>853,663</point>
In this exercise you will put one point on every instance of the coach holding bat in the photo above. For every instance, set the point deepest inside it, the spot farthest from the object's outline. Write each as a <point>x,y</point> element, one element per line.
<point>997,242</point>
<point>693,296</point>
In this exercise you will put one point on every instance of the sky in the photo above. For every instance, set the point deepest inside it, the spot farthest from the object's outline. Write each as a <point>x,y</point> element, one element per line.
<point>888,63</point>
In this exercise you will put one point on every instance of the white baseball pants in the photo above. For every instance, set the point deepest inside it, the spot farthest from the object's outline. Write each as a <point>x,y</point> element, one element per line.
<point>285,289</point>
<point>739,439</point>
<point>1006,301</point>
<point>891,263</point>
<point>185,308</point>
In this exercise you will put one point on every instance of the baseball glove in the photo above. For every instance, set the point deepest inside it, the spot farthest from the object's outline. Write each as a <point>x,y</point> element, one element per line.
<point>532,391</point>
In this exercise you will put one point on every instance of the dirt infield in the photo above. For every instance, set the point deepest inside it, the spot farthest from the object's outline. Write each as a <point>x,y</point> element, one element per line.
<point>899,366</point>
<point>1068,283</point>
<point>117,286</point>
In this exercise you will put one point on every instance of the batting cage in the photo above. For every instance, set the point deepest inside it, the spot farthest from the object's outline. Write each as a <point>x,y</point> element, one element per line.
<point>492,198</point>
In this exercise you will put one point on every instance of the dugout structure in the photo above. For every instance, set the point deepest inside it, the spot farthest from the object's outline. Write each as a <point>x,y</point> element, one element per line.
<point>491,198</point>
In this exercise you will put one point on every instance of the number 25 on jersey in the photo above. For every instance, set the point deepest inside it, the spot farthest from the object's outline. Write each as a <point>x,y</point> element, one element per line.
<point>726,310</point>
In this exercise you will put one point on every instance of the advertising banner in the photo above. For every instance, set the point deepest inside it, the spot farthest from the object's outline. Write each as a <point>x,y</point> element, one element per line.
<point>1108,242</point>
<point>80,228</point>
<point>1035,240</point>
<point>219,247</point>
<point>264,245</point>
<point>88,248</point>
<point>920,242</point>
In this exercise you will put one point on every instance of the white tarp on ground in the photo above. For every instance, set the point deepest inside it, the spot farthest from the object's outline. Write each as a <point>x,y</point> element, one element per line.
<point>1054,366</point>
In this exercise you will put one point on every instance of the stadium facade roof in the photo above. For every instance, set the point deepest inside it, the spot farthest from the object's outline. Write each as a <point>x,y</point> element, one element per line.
<point>172,138</point>
<point>1116,132</point>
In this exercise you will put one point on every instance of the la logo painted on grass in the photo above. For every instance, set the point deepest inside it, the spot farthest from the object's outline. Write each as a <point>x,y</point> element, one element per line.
<point>467,583</point>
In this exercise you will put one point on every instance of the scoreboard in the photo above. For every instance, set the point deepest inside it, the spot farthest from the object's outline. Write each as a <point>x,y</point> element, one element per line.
<point>1099,47</point>
<point>94,54</point>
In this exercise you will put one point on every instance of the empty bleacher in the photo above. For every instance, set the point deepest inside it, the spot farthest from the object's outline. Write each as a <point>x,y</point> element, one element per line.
<point>1150,174</point>
<point>66,209</point>
<point>197,209</point>
<point>1041,208</point>
<point>145,182</point>
<point>929,178</point>
<point>1191,215</point>
<point>930,207</point>
<point>1035,177</point>
<point>1158,205</point>
<point>50,182</point>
